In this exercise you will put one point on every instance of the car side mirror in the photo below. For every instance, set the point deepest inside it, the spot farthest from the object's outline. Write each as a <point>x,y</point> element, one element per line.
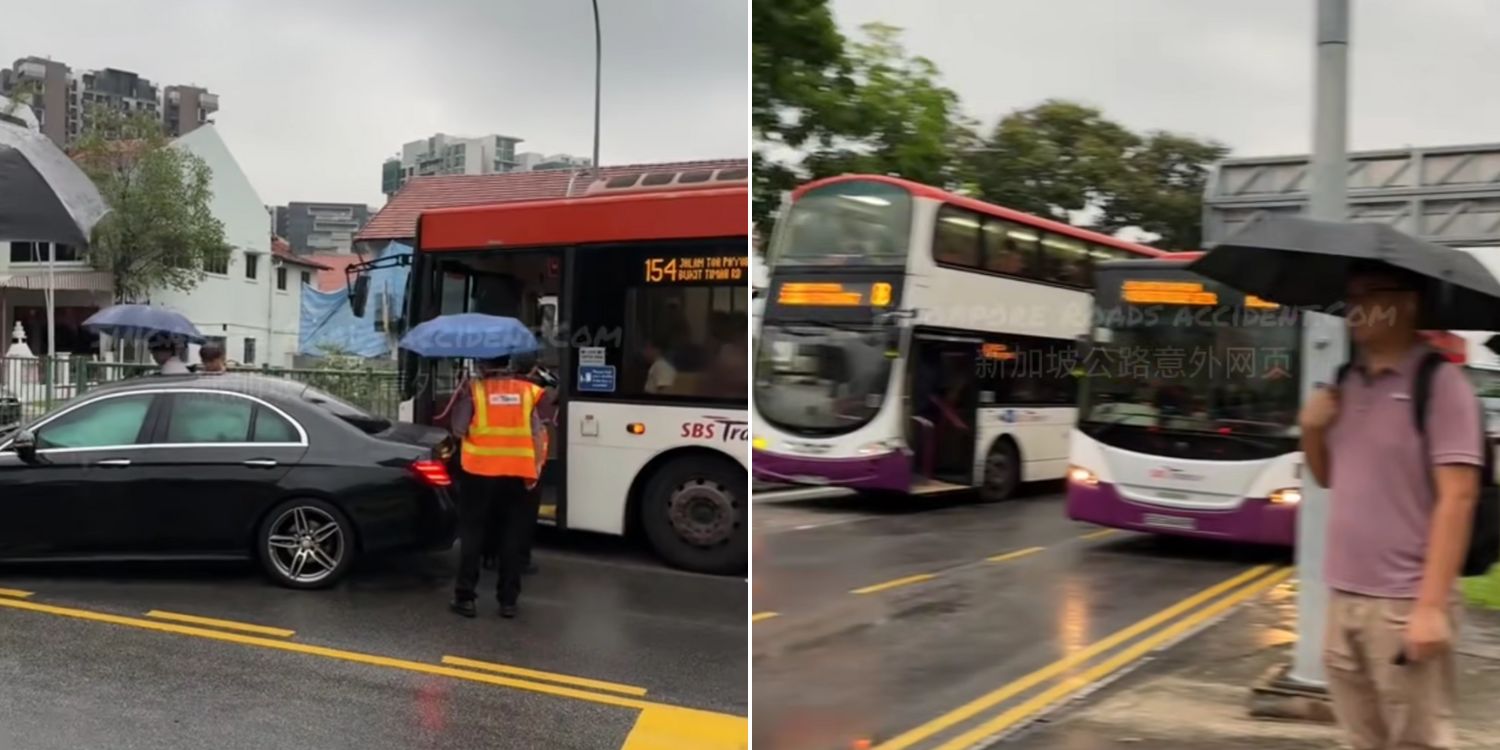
<point>24,444</point>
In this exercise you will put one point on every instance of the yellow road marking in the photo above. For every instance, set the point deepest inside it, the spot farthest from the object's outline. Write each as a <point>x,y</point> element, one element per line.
<point>17,593</point>
<point>535,674</point>
<point>1099,534</point>
<point>893,584</point>
<point>226,624</point>
<point>338,654</point>
<point>1082,680</point>
<point>758,616</point>
<point>1016,554</point>
<point>993,698</point>
<point>666,728</point>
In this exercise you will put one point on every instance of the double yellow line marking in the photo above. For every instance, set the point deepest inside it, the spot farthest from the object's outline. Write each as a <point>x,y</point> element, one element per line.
<point>658,725</point>
<point>225,624</point>
<point>1222,596</point>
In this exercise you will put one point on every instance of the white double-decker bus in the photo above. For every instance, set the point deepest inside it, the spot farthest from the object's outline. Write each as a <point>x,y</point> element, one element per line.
<point>915,340</point>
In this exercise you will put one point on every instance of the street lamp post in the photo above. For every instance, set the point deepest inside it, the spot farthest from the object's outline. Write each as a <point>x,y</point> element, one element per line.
<point>598,69</point>
<point>1324,340</point>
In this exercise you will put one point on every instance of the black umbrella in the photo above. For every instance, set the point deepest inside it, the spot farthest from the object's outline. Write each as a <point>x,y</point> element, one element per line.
<point>44,196</point>
<point>1304,263</point>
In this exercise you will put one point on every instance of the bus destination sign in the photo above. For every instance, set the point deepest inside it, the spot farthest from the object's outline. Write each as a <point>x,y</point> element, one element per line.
<point>697,269</point>
<point>1142,292</point>
<point>834,294</point>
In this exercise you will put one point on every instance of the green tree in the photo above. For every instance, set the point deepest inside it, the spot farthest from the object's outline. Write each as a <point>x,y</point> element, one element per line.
<point>1163,192</point>
<point>879,110</point>
<point>1060,158</point>
<point>160,231</point>
<point>798,70</point>
<point>1053,159</point>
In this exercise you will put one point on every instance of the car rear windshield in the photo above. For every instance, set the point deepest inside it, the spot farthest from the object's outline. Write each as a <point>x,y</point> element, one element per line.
<point>365,421</point>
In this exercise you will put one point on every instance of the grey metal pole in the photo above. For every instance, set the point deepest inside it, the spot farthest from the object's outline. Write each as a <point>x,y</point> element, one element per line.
<point>598,70</point>
<point>1324,339</point>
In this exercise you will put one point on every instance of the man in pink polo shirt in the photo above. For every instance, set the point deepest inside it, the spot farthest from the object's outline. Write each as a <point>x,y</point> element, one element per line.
<point>1399,521</point>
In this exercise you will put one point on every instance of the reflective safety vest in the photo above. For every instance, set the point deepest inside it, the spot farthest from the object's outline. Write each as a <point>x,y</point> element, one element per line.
<point>499,442</point>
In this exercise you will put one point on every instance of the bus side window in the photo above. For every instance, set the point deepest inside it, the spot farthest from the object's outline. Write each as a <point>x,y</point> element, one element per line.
<point>1008,248</point>
<point>956,237</point>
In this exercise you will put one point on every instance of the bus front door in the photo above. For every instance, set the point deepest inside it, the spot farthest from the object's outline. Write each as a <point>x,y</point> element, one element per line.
<point>944,406</point>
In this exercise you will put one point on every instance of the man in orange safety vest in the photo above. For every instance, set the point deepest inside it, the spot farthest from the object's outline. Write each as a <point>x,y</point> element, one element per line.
<point>503,446</point>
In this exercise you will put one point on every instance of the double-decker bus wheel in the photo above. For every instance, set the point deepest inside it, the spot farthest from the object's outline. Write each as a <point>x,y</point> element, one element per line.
<point>693,513</point>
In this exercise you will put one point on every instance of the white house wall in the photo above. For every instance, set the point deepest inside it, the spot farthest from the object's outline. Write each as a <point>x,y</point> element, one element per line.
<point>230,305</point>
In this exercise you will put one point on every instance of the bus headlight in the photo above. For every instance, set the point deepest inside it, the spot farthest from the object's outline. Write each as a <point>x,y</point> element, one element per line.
<point>881,447</point>
<point>759,443</point>
<point>1080,475</point>
<point>1286,496</point>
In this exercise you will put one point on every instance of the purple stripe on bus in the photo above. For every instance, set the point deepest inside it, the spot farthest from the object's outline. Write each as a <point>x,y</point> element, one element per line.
<point>1256,520</point>
<point>890,471</point>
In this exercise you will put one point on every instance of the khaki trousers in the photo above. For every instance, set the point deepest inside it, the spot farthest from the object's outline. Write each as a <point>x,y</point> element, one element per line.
<point>1383,706</point>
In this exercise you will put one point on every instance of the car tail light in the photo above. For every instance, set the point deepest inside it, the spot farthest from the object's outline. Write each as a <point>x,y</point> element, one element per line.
<point>434,473</point>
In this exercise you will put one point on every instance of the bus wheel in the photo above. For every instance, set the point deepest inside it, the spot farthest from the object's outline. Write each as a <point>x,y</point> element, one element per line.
<point>693,512</point>
<point>1002,472</point>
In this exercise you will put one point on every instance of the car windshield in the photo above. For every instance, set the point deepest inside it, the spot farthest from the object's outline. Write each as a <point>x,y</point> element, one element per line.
<point>847,223</point>
<point>820,380</point>
<point>1177,352</point>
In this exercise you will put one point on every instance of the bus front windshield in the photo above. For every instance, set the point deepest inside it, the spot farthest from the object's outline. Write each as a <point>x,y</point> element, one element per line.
<point>1187,355</point>
<point>846,223</point>
<point>820,380</point>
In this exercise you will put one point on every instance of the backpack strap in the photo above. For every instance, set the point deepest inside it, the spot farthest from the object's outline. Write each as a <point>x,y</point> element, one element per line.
<point>1422,390</point>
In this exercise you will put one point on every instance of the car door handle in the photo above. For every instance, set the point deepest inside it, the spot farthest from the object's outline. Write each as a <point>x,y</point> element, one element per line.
<point>261,462</point>
<point>114,462</point>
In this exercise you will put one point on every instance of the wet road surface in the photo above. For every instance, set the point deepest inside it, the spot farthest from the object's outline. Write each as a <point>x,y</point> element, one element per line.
<point>611,650</point>
<point>876,619</point>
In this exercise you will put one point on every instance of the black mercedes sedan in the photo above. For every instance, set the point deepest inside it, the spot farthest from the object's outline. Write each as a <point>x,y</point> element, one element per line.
<point>218,467</point>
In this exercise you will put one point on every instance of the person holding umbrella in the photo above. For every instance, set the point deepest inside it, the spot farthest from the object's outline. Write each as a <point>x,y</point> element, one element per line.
<point>1399,442</point>
<point>501,448</point>
<point>167,353</point>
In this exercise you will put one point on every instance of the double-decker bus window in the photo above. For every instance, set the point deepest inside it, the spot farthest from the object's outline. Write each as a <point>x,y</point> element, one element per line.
<point>1065,259</point>
<point>847,223</point>
<point>1010,248</point>
<point>955,238</point>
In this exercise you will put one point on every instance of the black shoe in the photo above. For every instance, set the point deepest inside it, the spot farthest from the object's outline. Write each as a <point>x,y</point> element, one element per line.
<point>463,607</point>
<point>508,611</point>
<point>531,569</point>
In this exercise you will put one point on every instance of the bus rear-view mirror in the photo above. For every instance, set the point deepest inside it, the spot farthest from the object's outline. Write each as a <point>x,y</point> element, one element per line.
<point>359,294</point>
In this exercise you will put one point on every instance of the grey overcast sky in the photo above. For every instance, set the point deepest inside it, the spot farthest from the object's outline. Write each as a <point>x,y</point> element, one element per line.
<point>1422,73</point>
<point>315,95</point>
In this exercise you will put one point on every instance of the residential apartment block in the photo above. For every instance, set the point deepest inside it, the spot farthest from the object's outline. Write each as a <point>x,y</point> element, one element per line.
<point>320,227</point>
<point>62,98</point>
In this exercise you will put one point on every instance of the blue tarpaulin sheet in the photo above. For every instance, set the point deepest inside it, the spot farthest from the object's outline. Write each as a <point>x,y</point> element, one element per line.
<point>329,325</point>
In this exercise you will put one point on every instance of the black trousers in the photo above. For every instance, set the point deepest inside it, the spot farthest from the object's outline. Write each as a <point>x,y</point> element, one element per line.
<point>492,533</point>
<point>513,510</point>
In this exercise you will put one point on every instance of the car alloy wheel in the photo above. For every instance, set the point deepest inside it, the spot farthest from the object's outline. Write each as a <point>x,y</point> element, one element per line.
<point>306,544</point>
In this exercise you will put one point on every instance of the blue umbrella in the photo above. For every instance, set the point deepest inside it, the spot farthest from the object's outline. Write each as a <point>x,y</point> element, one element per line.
<point>125,321</point>
<point>469,336</point>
